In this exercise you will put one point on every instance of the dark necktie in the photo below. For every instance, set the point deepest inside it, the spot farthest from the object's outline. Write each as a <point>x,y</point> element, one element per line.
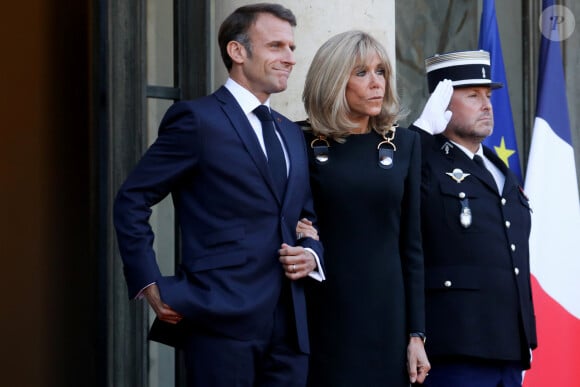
<point>276,160</point>
<point>479,161</point>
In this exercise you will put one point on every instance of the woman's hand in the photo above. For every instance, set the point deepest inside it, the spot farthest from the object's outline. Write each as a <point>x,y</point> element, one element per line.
<point>304,229</point>
<point>418,365</point>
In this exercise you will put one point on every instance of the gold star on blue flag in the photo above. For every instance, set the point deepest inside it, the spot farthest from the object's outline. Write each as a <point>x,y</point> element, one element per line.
<point>504,153</point>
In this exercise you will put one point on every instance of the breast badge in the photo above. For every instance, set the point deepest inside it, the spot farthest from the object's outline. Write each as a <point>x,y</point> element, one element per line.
<point>465,213</point>
<point>458,175</point>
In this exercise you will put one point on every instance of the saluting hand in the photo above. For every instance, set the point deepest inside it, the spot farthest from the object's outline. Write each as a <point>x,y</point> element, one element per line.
<point>435,116</point>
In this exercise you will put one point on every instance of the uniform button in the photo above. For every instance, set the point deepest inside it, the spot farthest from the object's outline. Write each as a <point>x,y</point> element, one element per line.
<point>461,195</point>
<point>447,284</point>
<point>508,224</point>
<point>516,270</point>
<point>513,247</point>
<point>503,201</point>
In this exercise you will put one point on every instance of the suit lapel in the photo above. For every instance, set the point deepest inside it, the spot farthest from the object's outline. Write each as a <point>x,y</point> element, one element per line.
<point>291,144</point>
<point>246,133</point>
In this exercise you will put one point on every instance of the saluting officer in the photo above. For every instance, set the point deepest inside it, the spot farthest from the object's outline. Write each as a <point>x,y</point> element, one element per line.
<point>475,224</point>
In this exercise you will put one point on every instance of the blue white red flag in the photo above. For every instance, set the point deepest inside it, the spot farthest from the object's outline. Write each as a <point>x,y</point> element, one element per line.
<point>551,184</point>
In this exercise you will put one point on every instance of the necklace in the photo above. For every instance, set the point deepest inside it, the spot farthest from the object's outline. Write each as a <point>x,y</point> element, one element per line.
<point>386,149</point>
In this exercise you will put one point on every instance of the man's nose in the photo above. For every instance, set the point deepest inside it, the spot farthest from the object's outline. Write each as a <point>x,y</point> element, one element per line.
<point>289,57</point>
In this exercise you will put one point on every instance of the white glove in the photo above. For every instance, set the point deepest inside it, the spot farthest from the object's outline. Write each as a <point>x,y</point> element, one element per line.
<point>435,116</point>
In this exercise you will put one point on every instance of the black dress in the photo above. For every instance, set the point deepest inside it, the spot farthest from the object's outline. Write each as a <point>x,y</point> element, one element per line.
<point>360,317</point>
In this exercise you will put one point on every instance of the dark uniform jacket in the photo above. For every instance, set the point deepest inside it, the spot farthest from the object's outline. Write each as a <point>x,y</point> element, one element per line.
<point>478,291</point>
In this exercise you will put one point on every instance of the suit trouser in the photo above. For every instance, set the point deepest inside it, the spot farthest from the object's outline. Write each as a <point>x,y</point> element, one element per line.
<point>474,374</point>
<point>271,360</point>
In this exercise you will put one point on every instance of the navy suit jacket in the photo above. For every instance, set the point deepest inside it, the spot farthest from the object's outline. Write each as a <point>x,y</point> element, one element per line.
<point>232,223</point>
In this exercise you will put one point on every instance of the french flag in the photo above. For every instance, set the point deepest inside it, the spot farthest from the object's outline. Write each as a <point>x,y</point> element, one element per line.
<point>552,187</point>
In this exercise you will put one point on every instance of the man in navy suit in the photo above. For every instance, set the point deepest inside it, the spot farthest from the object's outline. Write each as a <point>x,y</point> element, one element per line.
<point>235,305</point>
<point>475,226</point>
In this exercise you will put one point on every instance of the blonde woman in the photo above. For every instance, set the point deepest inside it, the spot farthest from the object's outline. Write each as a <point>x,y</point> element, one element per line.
<point>367,319</point>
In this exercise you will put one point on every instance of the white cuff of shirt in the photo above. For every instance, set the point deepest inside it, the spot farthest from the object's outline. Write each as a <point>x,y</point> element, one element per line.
<point>317,274</point>
<point>141,294</point>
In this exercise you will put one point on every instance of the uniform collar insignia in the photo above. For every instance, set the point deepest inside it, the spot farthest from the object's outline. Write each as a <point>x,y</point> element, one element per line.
<point>457,175</point>
<point>445,147</point>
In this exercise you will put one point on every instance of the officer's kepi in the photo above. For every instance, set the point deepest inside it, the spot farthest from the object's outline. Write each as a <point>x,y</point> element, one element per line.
<point>463,68</point>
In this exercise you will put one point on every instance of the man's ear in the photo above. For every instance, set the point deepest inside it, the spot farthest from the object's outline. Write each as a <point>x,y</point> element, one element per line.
<point>236,51</point>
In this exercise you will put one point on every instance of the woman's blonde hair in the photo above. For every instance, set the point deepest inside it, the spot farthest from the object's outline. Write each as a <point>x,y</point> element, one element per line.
<point>324,94</point>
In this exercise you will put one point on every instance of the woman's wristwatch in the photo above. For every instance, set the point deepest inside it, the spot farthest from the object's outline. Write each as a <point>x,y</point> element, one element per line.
<point>420,335</point>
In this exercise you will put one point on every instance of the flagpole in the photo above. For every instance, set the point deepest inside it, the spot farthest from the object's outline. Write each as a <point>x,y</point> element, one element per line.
<point>551,184</point>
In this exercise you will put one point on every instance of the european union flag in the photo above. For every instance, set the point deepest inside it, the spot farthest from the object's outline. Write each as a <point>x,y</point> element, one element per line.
<point>503,139</point>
